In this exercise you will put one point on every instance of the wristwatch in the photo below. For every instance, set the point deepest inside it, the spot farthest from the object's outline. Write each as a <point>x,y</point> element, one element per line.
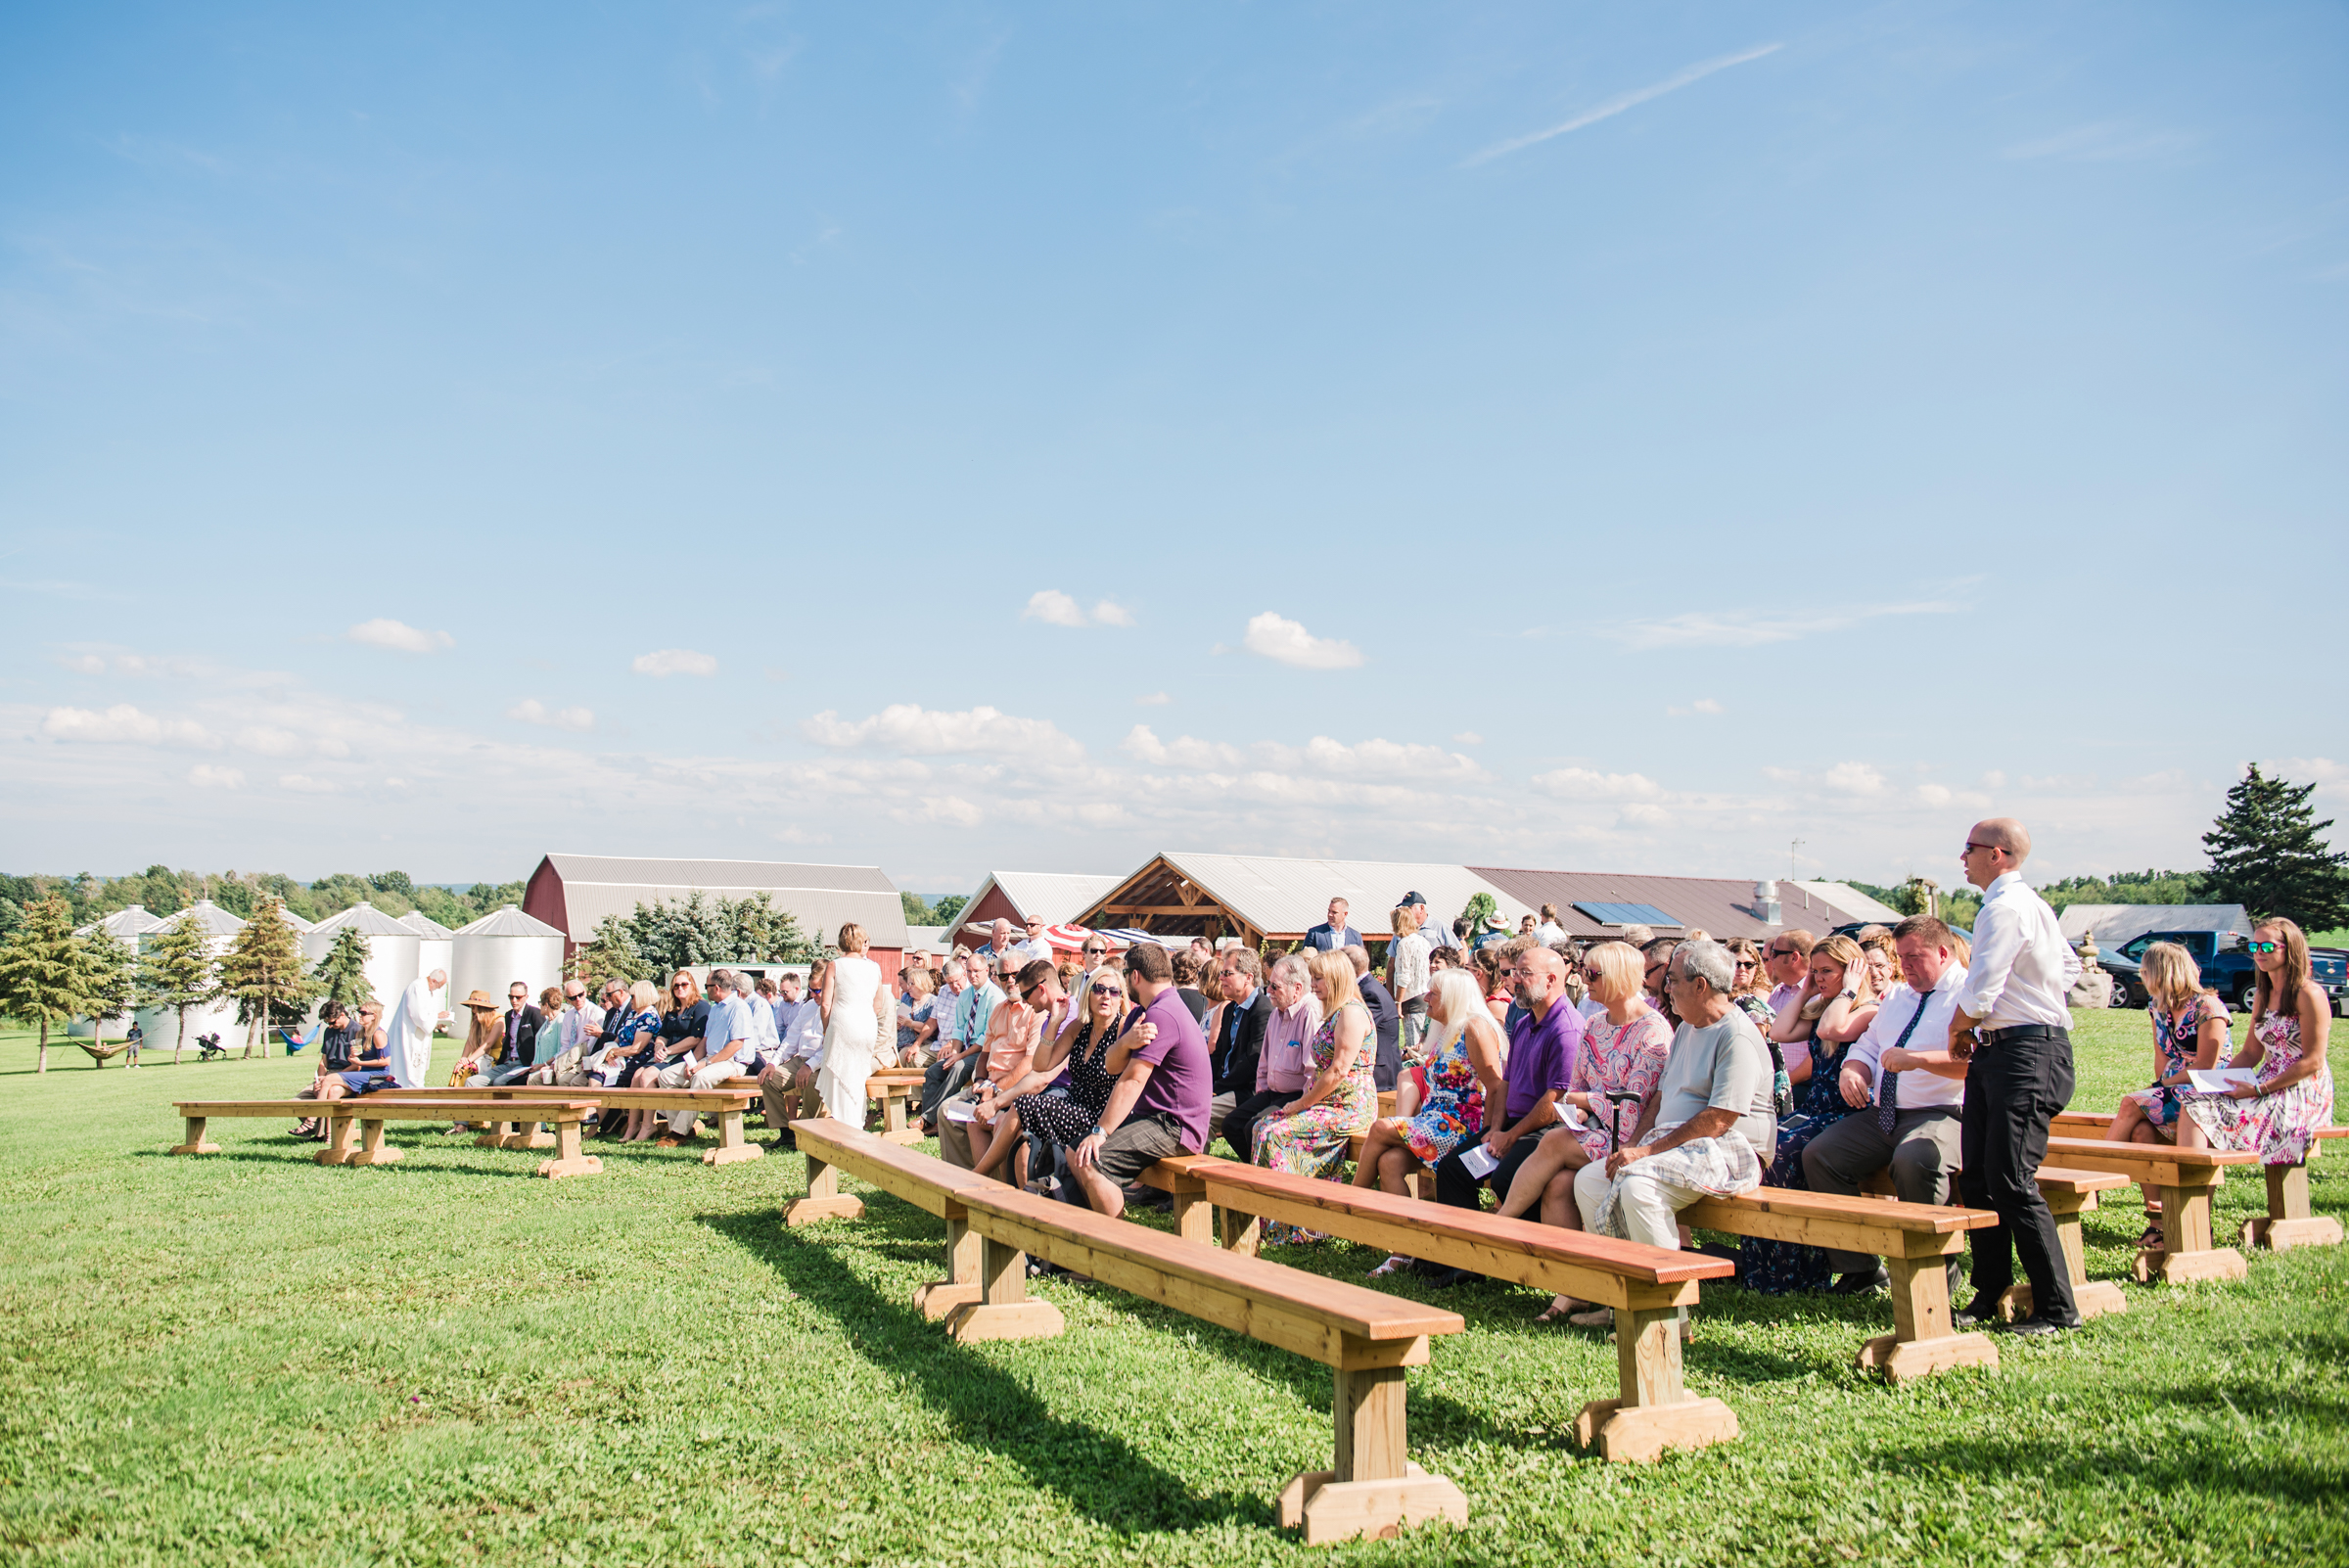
<point>1098,1132</point>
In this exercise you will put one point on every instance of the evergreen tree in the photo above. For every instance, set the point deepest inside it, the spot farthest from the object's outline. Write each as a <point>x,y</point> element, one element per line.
<point>262,970</point>
<point>2267,854</point>
<point>176,973</point>
<point>608,953</point>
<point>947,909</point>
<point>342,974</point>
<point>45,970</point>
<point>110,986</point>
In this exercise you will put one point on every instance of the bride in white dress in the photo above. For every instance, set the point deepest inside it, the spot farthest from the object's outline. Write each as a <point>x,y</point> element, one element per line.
<point>854,1007</point>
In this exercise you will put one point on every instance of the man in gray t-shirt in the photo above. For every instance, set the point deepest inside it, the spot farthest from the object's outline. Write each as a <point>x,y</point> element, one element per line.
<point>1708,1127</point>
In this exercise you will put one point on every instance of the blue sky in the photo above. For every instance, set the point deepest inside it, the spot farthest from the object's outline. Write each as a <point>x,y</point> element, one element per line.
<point>964,436</point>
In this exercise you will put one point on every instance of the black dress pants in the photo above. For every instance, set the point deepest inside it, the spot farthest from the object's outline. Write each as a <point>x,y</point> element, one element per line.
<point>1239,1128</point>
<point>1456,1187</point>
<point>2013,1089</point>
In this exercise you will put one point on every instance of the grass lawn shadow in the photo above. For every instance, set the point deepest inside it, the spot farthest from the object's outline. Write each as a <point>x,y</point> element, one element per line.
<point>987,1405</point>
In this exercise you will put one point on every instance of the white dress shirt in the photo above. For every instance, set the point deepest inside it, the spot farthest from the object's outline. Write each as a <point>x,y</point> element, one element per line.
<point>804,1041</point>
<point>1918,1088</point>
<point>2023,969</point>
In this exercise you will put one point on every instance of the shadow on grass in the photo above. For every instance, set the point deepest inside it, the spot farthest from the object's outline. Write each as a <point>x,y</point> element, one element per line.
<point>1098,1474</point>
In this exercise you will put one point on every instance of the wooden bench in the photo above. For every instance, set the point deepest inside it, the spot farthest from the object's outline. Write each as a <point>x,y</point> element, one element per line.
<point>895,1087</point>
<point>2288,1223</point>
<point>921,1179</point>
<point>1367,1338</point>
<point>726,1103</point>
<point>1649,1289</point>
<point>2183,1179</point>
<point>2069,1194</point>
<point>1915,1240</point>
<point>354,1129</point>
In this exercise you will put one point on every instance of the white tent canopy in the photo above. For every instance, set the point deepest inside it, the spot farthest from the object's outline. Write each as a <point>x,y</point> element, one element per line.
<point>2112,924</point>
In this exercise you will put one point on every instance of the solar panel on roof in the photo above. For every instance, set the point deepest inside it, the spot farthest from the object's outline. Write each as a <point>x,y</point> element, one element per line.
<point>1628,915</point>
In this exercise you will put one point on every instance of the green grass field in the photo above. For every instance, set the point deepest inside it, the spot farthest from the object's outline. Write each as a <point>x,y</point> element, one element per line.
<point>248,1358</point>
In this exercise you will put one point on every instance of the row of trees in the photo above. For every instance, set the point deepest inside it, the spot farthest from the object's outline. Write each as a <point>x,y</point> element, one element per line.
<point>162,891</point>
<point>658,939</point>
<point>49,975</point>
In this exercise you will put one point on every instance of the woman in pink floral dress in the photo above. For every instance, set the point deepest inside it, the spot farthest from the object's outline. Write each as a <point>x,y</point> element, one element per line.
<point>2189,1035</point>
<point>2290,1095</point>
<point>1309,1136</point>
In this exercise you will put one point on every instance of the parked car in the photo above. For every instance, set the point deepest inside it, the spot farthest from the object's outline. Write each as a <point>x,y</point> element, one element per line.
<point>2225,966</point>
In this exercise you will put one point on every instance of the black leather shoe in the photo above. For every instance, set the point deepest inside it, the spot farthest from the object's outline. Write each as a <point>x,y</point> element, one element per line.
<point>2035,1326</point>
<point>1982,1309</point>
<point>1857,1284</point>
<point>1454,1276</point>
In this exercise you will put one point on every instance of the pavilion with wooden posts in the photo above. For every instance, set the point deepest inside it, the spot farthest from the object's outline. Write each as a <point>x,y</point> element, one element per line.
<point>1263,899</point>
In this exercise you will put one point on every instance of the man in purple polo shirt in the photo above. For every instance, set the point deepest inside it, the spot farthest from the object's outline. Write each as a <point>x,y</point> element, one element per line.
<point>1542,1047</point>
<point>1166,1085</point>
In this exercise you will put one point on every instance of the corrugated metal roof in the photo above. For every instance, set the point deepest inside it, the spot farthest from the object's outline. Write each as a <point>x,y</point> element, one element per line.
<point>2115,923</point>
<point>1848,899</point>
<point>1056,898</point>
<point>1720,906</point>
<point>365,918</point>
<point>506,920</point>
<point>425,926</point>
<point>126,924</point>
<point>821,896</point>
<point>1286,897</point>
<point>214,919</point>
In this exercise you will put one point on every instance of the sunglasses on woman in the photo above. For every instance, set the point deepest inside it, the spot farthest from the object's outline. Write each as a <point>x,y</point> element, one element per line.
<point>2264,947</point>
<point>1107,990</point>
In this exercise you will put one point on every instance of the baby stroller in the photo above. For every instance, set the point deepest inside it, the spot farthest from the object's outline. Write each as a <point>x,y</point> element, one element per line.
<point>208,1046</point>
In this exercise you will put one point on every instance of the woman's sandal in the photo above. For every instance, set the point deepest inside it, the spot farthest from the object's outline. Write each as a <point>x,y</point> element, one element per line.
<point>2151,1240</point>
<point>1561,1311</point>
<point>1396,1262</point>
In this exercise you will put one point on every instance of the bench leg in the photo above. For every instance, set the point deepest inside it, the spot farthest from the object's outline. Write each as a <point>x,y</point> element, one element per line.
<point>1653,1412</point>
<point>1373,1489</point>
<point>825,1200</point>
<point>1923,1342</point>
<point>498,1136</point>
<point>2288,1223</point>
<point>894,1129</point>
<point>1005,1310</point>
<point>194,1142</point>
<point>533,1135</point>
<point>570,1159</point>
<point>732,1146</point>
<point>961,1287</point>
<point>1194,1218</point>
<point>2093,1297</point>
<point>1238,1233</point>
<point>373,1150</point>
<point>342,1140</point>
<point>2186,1252</point>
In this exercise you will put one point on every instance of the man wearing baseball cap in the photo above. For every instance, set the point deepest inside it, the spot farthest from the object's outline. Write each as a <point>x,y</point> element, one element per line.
<point>1438,933</point>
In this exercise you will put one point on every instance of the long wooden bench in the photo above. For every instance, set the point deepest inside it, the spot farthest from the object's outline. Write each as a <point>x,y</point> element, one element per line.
<point>2289,1221</point>
<point>355,1127</point>
<point>2069,1194</point>
<point>1367,1338</point>
<point>1649,1289</point>
<point>921,1179</point>
<point>726,1103</point>
<point>2183,1179</point>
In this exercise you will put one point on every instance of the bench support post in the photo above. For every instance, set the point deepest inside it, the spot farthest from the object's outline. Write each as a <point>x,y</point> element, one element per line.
<point>1373,1489</point>
<point>961,1287</point>
<point>1005,1310</point>
<point>824,1199</point>
<point>373,1150</point>
<point>2093,1299</point>
<point>2288,1223</point>
<point>732,1146</point>
<point>570,1160</point>
<point>194,1142</point>
<point>1194,1218</point>
<point>498,1135</point>
<point>342,1139</point>
<point>1652,1412</point>
<point>894,1096</point>
<point>1922,1341</point>
<point>2186,1252</point>
<point>533,1135</point>
<point>1238,1233</point>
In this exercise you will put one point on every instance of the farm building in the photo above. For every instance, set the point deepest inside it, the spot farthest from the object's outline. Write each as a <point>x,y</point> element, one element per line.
<point>573,893</point>
<point>1055,897</point>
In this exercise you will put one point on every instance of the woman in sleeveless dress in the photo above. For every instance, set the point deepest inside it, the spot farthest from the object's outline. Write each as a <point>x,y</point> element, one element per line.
<point>2290,1095</point>
<point>1464,1071</point>
<point>855,1005</point>
<point>1309,1136</point>
<point>1062,1096</point>
<point>2189,1035</point>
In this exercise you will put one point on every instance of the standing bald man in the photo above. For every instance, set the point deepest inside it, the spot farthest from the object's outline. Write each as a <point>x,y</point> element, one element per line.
<point>2018,1076</point>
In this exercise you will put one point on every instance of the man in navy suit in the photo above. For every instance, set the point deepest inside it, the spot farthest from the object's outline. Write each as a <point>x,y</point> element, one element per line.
<point>1333,933</point>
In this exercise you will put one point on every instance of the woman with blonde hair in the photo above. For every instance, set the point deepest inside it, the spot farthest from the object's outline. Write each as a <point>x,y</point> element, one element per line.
<point>2290,1094</point>
<point>1060,1099</point>
<point>854,1007</point>
<point>2190,1033</point>
<point>684,1023</point>
<point>1463,1078</point>
<point>1309,1136</point>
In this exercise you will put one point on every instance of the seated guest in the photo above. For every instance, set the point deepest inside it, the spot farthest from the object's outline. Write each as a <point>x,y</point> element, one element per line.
<point>1386,1019</point>
<point>788,1081</point>
<point>1158,1105</point>
<point>1751,990</point>
<point>1543,1045</point>
<point>334,1037</point>
<point>569,1032</point>
<point>1310,1134</point>
<point>484,1037</point>
<point>914,994</point>
<point>631,1024</point>
<point>1463,1078</point>
<point>2189,1035</point>
<point>730,1050</point>
<point>1786,963</point>
<point>1831,1009</point>
<point>1659,964</point>
<point>1900,1069</point>
<point>1189,970</point>
<point>1493,976</point>
<point>681,1029</point>
<point>518,1052</point>
<point>2276,1115</point>
<point>1235,1029</point>
<point>1280,1061</point>
<point>1703,1128</point>
<point>961,1036</point>
<point>1003,1056</point>
<point>1063,1095</point>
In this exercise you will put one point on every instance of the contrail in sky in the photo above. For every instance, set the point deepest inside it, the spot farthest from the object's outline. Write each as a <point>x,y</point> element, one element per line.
<point>1616,105</point>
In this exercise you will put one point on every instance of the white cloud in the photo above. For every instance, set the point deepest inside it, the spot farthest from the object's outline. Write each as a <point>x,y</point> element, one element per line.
<point>125,723</point>
<point>1112,614</point>
<point>667,662</point>
<point>1703,705</point>
<point>83,664</point>
<point>303,784</point>
<point>1854,779</point>
<point>530,711</point>
<point>909,729</point>
<point>1287,642</point>
<point>388,633</point>
<point>1143,746</point>
<point>1386,759</point>
<point>1741,628</point>
<point>1156,699</point>
<point>1645,814</point>
<point>1581,783</point>
<point>1617,105</point>
<point>1053,608</point>
<point>204,776</point>
<point>1468,737</point>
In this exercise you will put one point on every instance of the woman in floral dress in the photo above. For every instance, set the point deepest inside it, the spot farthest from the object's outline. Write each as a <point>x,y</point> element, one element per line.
<point>1309,1136</point>
<point>1837,1003</point>
<point>2290,1095</point>
<point>2189,1035</point>
<point>1463,1077</point>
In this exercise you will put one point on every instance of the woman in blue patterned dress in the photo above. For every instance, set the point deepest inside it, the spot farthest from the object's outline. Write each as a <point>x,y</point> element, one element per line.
<point>2189,1035</point>
<point>1463,1077</point>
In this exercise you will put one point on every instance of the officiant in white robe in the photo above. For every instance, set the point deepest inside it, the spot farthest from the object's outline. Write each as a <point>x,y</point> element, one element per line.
<point>408,1032</point>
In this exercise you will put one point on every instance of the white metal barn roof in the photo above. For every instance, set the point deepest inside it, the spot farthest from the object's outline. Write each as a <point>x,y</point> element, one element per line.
<point>821,896</point>
<point>127,924</point>
<point>507,920</point>
<point>422,925</point>
<point>1056,898</point>
<point>365,918</point>
<point>1282,897</point>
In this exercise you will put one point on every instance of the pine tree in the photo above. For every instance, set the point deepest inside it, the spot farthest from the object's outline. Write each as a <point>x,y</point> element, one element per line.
<point>109,983</point>
<point>2267,854</point>
<point>342,975</point>
<point>45,969</point>
<point>608,953</point>
<point>262,970</point>
<point>177,974</point>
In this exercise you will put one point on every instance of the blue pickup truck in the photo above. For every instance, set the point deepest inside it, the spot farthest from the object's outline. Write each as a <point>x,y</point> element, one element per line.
<point>2225,966</point>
